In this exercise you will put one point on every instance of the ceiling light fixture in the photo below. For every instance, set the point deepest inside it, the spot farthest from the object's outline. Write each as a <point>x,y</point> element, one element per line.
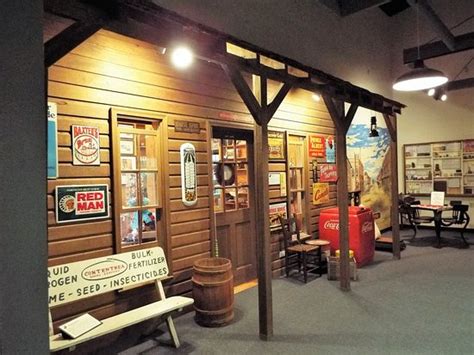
<point>420,77</point>
<point>182,57</point>
<point>431,92</point>
<point>316,97</point>
<point>373,127</point>
<point>444,97</point>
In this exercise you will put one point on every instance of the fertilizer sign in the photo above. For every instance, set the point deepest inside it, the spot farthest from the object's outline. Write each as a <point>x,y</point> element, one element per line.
<point>81,202</point>
<point>70,282</point>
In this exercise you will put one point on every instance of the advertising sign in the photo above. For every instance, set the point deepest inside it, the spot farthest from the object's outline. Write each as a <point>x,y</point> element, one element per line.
<point>330,150</point>
<point>277,210</point>
<point>52,141</point>
<point>320,193</point>
<point>468,146</point>
<point>276,145</point>
<point>85,145</point>
<point>70,282</point>
<point>188,174</point>
<point>327,173</point>
<point>316,146</point>
<point>83,202</point>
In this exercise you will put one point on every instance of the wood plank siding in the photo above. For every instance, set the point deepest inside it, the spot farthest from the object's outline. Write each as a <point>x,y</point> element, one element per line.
<point>112,71</point>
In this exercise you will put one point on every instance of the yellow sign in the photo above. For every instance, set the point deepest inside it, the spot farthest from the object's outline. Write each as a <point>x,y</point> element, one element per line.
<point>320,193</point>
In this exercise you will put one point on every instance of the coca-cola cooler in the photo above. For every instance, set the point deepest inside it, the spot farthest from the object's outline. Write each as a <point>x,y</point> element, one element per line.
<point>361,232</point>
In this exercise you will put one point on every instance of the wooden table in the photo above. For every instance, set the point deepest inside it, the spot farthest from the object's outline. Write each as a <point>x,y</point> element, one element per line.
<point>437,212</point>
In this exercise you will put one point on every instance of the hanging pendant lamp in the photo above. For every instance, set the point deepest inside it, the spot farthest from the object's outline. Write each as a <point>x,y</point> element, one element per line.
<point>420,78</point>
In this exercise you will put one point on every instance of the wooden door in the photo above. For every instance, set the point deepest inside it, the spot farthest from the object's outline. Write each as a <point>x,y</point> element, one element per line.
<point>232,160</point>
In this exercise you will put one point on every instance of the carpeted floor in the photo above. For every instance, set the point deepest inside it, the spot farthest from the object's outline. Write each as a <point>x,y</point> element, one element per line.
<point>421,304</point>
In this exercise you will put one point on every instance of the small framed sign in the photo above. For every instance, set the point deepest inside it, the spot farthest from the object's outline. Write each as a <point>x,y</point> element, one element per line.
<point>85,145</point>
<point>320,193</point>
<point>277,210</point>
<point>327,173</point>
<point>84,202</point>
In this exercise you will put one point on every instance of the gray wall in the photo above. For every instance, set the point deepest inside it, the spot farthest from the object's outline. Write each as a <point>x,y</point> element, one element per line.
<point>23,249</point>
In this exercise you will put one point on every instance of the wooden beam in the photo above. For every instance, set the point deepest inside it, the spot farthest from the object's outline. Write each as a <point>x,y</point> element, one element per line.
<point>350,116</point>
<point>64,42</point>
<point>210,45</point>
<point>391,127</point>
<point>278,99</point>
<point>351,7</point>
<point>438,26</point>
<point>244,91</point>
<point>336,116</point>
<point>460,84</point>
<point>264,261</point>
<point>462,42</point>
<point>391,122</point>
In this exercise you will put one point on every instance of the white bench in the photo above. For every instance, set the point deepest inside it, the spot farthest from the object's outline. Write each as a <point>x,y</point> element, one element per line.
<point>82,279</point>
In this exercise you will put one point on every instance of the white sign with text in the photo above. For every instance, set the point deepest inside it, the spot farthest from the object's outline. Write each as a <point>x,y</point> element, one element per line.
<point>71,282</point>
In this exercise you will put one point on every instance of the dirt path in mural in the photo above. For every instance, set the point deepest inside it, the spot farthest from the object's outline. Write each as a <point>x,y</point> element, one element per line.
<point>378,200</point>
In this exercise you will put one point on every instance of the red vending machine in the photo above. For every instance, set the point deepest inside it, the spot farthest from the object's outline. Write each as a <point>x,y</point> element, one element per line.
<point>361,232</point>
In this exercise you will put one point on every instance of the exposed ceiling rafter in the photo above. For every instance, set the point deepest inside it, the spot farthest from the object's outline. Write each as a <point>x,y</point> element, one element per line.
<point>349,7</point>
<point>137,17</point>
<point>462,42</point>
<point>437,25</point>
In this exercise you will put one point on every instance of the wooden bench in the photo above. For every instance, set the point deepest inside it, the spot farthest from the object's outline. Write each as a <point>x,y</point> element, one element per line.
<point>82,279</point>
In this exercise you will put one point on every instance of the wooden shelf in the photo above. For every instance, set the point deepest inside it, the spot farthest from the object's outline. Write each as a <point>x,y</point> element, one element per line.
<point>445,158</point>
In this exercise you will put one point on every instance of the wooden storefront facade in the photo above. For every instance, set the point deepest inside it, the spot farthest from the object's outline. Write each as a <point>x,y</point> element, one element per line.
<point>113,73</point>
<point>109,72</point>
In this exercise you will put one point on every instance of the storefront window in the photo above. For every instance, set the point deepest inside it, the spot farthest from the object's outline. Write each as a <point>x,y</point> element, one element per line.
<point>230,174</point>
<point>136,157</point>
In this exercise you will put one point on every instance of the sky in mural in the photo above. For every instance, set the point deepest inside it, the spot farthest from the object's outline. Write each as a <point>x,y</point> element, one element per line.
<point>370,149</point>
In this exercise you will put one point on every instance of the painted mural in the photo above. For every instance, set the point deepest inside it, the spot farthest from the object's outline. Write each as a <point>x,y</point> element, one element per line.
<point>369,166</point>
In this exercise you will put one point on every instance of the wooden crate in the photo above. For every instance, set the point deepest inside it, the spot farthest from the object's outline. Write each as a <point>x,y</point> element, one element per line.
<point>334,268</point>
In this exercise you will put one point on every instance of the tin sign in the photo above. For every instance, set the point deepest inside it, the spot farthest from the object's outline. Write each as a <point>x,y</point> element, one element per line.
<point>317,148</point>
<point>71,282</point>
<point>327,173</point>
<point>83,202</point>
<point>85,145</point>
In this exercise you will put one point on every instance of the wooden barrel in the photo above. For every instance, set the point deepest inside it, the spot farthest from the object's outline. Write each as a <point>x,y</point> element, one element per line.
<point>213,292</point>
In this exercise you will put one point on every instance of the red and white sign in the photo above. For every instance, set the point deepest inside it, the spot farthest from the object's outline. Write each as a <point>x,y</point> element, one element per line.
<point>85,145</point>
<point>327,173</point>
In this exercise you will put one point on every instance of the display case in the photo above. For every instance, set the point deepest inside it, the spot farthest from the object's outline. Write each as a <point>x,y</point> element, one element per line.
<point>439,166</point>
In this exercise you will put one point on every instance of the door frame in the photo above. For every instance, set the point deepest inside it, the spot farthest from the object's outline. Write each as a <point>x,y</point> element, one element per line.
<point>247,129</point>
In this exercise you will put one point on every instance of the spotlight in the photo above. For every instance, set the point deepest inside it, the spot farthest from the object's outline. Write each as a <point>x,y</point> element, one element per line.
<point>444,97</point>
<point>182,57</point>
<point>373,127</point>
<point>431,92</point>
<point>316,97</point>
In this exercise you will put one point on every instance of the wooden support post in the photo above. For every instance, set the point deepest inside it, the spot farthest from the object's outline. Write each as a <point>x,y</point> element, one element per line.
<point>264,270</point>
<point>391,124</point>
<point>342,123</point>
<point>262,112</point>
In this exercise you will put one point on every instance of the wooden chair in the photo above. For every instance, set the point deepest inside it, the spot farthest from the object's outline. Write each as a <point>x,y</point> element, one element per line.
<point>459,217</point>
<point>412,215</point>
<point>306,257</point>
